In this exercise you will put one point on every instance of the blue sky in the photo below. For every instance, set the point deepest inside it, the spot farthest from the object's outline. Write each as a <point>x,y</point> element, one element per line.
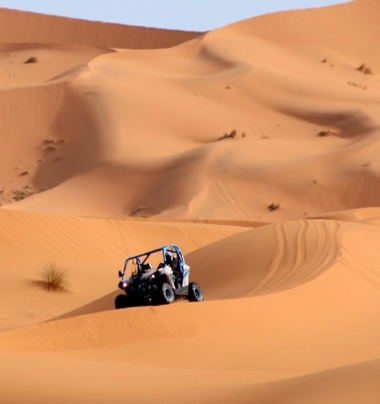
<point>194,15</point>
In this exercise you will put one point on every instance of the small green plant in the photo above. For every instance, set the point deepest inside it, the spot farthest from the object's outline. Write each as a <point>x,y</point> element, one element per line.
<point>53,279</point>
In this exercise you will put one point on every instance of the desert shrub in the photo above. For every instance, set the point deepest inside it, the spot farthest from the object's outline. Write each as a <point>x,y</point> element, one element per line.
<point>364,69</point>
<point>53,279</point>
<point>20,194</point>
<point>32,59</point>
<point>324,133</point>
<point>352,83</point>
<point>49,149</point>
<point>273,206</point>
<point>230,135</point>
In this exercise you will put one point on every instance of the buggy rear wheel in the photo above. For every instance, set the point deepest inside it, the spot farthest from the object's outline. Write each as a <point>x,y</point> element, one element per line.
<point>167,295</point>
<point>195,293</point>
<point>122,301</point>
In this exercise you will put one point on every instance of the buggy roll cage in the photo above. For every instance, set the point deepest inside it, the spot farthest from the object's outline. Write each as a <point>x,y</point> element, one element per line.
<point>173,248</point>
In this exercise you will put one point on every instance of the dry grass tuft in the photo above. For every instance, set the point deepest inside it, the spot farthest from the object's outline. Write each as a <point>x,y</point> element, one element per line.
<point>232,135</point>
<point>364,69</point>
<point>53,279</point>
<point>273,206</point>
<point>352,83</point>
<point>32,59</point>
<point>20,194</point>
<point>49,149</point>
<point>324,133</point>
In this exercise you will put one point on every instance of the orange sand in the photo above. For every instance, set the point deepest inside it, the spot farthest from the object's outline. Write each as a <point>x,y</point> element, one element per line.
<point>120,139</point>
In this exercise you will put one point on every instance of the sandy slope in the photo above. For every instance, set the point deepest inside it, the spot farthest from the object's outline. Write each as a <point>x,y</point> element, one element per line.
<point>26,27</point>
<point>111,147</point>
<point>92,250</point>
<point>152,120</point>
<point>241,344</point>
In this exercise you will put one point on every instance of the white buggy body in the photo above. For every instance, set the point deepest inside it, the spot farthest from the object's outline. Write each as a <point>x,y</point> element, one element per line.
<point>157,285</point>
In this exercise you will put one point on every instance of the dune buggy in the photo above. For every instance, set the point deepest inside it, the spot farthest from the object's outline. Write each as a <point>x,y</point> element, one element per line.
<point>156,277</point>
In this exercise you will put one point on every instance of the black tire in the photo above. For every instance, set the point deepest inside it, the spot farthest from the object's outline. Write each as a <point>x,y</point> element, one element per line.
<point>195,293</point>
<point>121,302</point>
<point>167,294</point>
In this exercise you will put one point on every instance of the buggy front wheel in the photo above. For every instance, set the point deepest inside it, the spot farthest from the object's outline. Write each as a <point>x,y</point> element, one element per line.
<point>195,293</point>
<point>167,293</point>
<point>121,302</point>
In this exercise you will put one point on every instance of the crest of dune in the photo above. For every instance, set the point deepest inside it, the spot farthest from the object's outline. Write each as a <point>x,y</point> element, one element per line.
<point>253,147</point>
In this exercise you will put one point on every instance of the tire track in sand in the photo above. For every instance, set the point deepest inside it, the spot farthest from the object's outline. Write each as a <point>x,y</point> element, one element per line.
<point>224,193</point>
<point>360,255</point>
<point>9,75</point>
<point>304,250</point>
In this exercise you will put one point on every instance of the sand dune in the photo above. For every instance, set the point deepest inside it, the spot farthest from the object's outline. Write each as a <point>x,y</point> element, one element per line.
<point>332,29</point>
<point>254,147</point>
<point>346,384</point>
<point>321,328</point>
<point>323,147</point>
<point>269,259</point>
<point>92,250</point>
<point>21,27</point>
